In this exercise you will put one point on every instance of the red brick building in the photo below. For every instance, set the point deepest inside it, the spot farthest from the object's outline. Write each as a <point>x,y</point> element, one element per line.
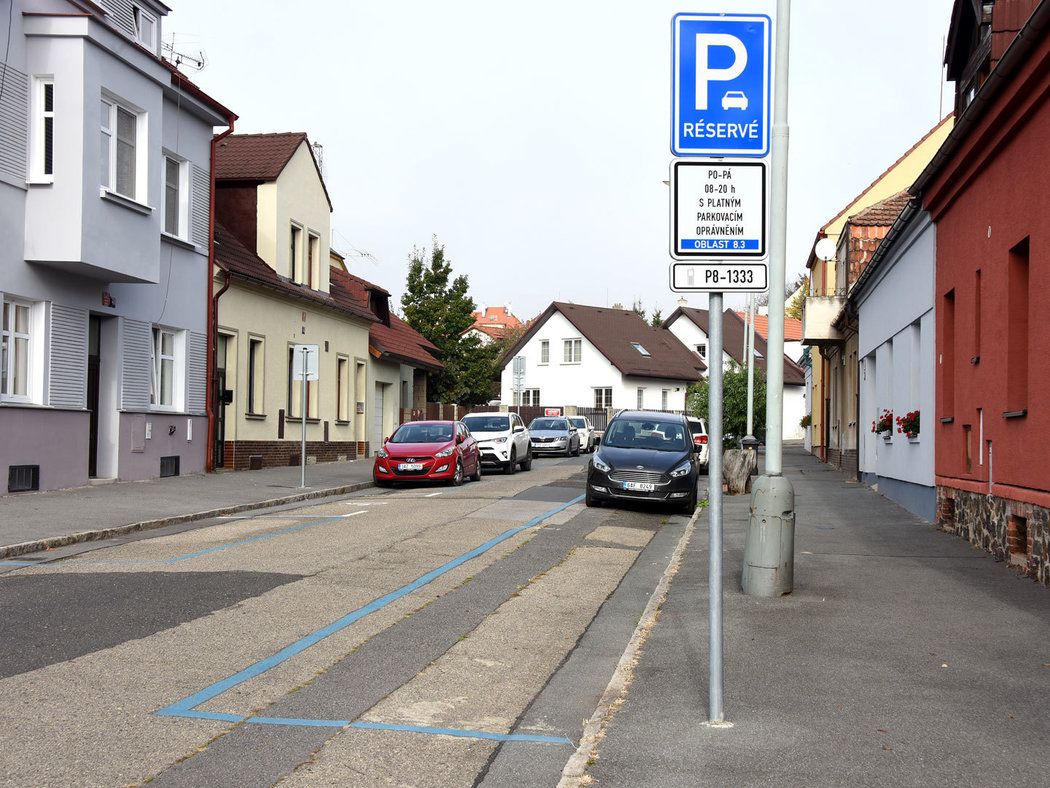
<point>986,191</point>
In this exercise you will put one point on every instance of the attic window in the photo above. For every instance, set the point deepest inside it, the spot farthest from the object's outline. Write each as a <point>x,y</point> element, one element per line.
<point>641,349</point>
<point>145,28</point>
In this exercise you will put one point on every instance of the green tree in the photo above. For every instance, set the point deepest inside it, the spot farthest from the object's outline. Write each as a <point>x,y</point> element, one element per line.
<point>794,309</point>
<point>440,308</point>
<point>734,401</point>
<point>657,319</point>
<point>638,309</point>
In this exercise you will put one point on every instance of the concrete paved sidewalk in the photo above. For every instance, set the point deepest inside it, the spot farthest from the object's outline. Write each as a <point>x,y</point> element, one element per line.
<point>37,521</point>
<point>904,657</point>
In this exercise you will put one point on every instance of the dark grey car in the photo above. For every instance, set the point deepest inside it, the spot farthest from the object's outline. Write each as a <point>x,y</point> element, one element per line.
<point>645,456</point>
<point>554,435</point>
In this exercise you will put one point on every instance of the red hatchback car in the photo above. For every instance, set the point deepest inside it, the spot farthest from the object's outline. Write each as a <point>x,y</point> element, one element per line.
<point>428,451</point>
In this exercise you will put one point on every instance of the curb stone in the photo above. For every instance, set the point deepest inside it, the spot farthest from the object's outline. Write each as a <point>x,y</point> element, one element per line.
<point>22,548</point>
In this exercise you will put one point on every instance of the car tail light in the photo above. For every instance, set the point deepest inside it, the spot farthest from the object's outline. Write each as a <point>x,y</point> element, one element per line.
<point>700,440</point>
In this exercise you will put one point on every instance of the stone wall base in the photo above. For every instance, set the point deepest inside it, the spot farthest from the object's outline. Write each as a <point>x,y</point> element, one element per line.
<point>1014,532</point>
<point>252,455</point>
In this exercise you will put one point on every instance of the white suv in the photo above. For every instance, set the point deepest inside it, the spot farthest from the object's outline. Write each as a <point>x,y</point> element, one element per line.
<point>503,440</point>
<point>586,431</point>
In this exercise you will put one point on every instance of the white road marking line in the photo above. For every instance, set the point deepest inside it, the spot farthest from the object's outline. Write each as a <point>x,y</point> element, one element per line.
<point>431,495</point>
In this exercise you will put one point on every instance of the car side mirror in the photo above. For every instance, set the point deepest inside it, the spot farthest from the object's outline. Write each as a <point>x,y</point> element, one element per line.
<point>519,429</point>
<point>460,438</point>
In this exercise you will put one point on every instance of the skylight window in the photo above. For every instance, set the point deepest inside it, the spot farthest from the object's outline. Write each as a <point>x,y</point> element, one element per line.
<point>641,349</point>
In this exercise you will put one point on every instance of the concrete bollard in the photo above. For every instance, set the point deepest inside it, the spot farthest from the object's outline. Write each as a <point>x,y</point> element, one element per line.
<point>769,548</point>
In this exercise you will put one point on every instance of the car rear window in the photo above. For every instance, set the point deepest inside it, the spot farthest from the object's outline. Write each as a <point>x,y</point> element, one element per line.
<point>579,422</point>
<point>487,423</point>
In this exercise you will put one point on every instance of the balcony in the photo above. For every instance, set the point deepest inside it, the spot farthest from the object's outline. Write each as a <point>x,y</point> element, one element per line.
<point>817,320</point>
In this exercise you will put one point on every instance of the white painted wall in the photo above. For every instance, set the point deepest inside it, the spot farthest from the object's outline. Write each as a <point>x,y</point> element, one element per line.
<point>896,343</point>
<point>574,384</point>
<point>691,335</point>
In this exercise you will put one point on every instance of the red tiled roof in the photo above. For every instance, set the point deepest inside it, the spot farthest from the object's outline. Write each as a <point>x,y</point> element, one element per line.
<point>733,341</point>
<point>496,316</point>
<point>240,261</point>
<point>399,340</point>
<point>792,327</point>
<point>612,332</point>
<point>883,213</point>
<point>255,157</point>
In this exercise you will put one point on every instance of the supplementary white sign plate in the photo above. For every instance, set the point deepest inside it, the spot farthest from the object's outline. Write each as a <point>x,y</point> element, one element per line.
<point>705,277</point>
<point>312,361</point>
<point>718,209</point>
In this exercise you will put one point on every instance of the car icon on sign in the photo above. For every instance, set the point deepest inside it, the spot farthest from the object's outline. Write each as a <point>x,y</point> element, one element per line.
<point>734,99</point>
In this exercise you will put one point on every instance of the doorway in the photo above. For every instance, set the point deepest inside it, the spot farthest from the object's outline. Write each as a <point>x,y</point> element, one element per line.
<point>378,421</point>
<point>221,399</point>
<point>94,368</point>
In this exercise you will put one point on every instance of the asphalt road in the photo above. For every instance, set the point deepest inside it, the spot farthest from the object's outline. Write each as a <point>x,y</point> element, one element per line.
<point>415,636</point>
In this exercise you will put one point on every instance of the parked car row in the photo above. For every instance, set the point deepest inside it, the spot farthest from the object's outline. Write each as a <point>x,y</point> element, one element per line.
<point>450,451</point>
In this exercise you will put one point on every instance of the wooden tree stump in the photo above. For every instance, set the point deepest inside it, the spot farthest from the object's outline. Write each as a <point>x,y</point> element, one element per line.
<point>737,467</point>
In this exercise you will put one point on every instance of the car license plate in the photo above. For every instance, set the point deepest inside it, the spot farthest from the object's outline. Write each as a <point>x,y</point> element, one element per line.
<point>639,486</point>
<point>410,466</point>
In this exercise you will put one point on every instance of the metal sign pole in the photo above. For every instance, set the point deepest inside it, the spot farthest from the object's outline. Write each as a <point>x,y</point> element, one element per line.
<point>715,683</point>
<point>750,345</point>
<point>302,416</point>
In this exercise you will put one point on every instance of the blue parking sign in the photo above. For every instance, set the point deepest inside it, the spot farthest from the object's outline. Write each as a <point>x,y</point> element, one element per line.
<point>721,84</point>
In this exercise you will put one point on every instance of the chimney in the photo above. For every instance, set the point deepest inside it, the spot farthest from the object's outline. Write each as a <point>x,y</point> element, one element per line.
<point>682,301</point>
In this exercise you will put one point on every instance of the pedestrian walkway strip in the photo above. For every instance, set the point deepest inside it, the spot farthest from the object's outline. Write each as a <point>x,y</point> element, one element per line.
<point>328,520</point>
<point>187,707</point>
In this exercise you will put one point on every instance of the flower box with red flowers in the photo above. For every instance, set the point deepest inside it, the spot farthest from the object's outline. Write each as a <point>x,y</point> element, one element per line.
<point>908,424</point>
<point>883,425</point>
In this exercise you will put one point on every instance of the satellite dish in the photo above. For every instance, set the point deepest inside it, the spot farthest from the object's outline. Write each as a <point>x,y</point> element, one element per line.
<point>825,249</point>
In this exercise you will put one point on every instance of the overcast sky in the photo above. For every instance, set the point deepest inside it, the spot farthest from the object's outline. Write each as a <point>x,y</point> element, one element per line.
<point>532,138</point>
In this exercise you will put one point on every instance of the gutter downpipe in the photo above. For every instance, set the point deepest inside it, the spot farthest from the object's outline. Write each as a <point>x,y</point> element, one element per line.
<point>213,301</point>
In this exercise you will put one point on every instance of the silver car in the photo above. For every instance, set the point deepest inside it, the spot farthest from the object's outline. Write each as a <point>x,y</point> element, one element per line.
<point>554,435</point>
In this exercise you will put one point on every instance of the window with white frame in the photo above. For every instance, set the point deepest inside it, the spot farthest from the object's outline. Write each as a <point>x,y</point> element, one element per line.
<point>342,388</point>
<point>603,397</point>
<point>701,350</point>
<point>527,397</point>
<point>313,258</point>
<point>545,351</point>
<point>176,197</point>
<point>120,148</point>
<point>165,379</point>
<point>641,398</point>
<point>145,28</point>
<point>16,347</point>
<point>573,351</point>
<point>664,395</point>
<point>255,376</point>
<point>42,130</point>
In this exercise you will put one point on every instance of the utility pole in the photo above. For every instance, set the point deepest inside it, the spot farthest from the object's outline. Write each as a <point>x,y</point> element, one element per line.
<point>769,548</point>
<point>715,679</point>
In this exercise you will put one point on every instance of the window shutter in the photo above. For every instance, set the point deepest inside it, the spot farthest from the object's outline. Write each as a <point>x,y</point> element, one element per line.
<point>200,192</point>
<point>136,364</point>
<point>67,357</point>
<point>14,122</point>
<point>196,372</point>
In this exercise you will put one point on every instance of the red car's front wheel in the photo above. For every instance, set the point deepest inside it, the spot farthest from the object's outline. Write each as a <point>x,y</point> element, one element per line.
<point>457,478</point>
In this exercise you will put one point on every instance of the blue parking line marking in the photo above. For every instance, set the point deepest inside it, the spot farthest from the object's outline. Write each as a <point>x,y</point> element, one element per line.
<point>462,733</point>
<point>190,702</point>
<point>18,563</point>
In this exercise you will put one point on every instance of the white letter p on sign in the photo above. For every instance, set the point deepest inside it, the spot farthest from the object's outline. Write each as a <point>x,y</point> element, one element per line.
<point>704,74</point>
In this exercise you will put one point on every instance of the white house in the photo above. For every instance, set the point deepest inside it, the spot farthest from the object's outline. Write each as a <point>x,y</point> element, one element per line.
<point>105,157</point>
<point>690,327</point>
<point>597,357</point>
<point>894,298</point>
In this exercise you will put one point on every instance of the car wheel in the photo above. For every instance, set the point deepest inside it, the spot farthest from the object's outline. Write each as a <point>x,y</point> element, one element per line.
<point>457,479</point>
<point>576,451</point>
<point>476,476</point>
<point>690,504</point>
<point>510,467</point>
<point>591,499</point>
<point>526,464</point>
